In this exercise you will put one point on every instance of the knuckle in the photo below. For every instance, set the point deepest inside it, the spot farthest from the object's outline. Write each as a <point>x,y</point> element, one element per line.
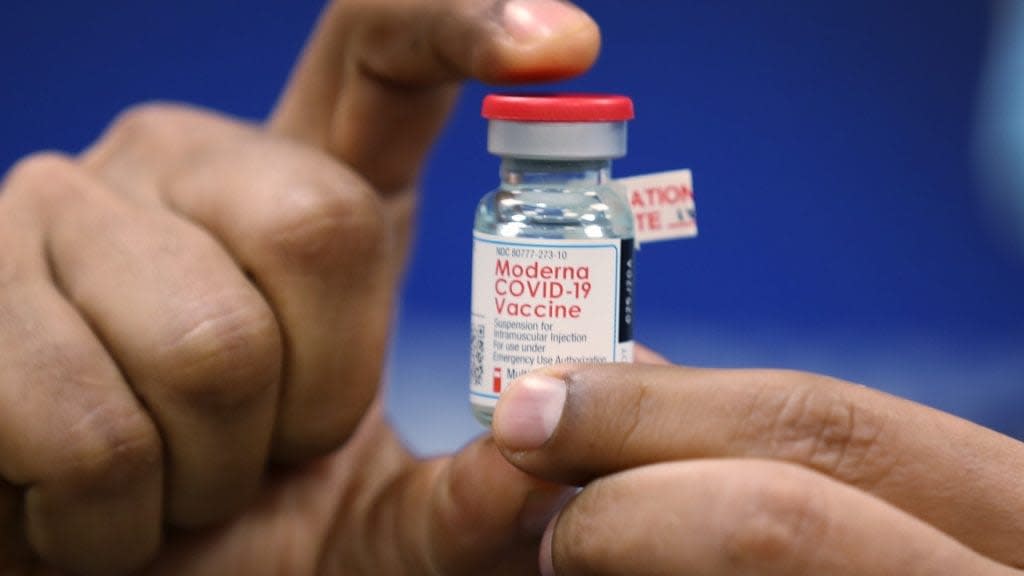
<point>158,130</point>
<point>811,421</point>
<point>40,173</point>
<point>223,353</point>
<point>774,524</point>
<point>142,121</point>
<point>45,185</point>
<point>836,435</point>
<point>40,167</point>
<point>112,446</point>
<point>326,225</point>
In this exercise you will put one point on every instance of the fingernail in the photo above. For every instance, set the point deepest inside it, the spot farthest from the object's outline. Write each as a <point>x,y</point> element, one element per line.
<point>541,506</point>
<point>529,21</point>
<point>529,411</point>
<point>546,560</point>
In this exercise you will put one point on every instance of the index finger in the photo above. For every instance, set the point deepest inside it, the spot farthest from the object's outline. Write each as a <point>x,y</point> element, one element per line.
<point>378,77</point>
<point>577,423</point>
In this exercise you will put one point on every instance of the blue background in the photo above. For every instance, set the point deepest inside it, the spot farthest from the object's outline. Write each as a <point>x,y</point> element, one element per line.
<point>841,226</point>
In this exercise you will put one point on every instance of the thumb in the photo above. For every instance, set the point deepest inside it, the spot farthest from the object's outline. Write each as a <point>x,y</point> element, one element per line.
<point>378,77</point>
<point>473,513</point>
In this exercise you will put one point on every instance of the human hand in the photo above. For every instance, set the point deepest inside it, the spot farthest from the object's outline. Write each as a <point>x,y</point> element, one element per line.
<point>194,299</point>
<point>692,471</point>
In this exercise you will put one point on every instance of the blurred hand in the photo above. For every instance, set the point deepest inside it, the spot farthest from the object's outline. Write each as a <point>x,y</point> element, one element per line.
<point>195,300</point>
<point>690,471</point>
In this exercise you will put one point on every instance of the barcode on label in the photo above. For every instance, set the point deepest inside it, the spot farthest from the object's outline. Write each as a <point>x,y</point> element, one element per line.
<point>476,355</point>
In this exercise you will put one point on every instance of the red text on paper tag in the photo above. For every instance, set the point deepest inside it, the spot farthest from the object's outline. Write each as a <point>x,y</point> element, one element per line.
<point>662,204</point>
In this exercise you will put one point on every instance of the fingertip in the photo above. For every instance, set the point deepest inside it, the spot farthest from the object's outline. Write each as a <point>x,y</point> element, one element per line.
<point>530,21</point>
<point>544,40</point>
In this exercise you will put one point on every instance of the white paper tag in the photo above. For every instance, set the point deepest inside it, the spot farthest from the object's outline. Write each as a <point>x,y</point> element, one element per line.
<point>662,204</point>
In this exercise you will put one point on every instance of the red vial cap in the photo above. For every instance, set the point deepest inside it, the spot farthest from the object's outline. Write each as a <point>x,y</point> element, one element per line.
<point>558,107</point>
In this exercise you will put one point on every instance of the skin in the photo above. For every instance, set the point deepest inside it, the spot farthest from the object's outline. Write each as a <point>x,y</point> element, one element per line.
<point>194,313</point>
<point>696,471</point>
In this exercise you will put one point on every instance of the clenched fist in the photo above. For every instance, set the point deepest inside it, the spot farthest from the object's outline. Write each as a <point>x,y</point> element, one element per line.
<point>194,313</point>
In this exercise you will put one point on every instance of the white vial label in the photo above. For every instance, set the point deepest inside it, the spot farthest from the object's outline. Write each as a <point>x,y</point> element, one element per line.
<point>538,302</point>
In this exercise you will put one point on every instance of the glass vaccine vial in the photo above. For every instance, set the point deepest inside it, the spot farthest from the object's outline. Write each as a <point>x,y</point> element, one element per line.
<point>553,244</point>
